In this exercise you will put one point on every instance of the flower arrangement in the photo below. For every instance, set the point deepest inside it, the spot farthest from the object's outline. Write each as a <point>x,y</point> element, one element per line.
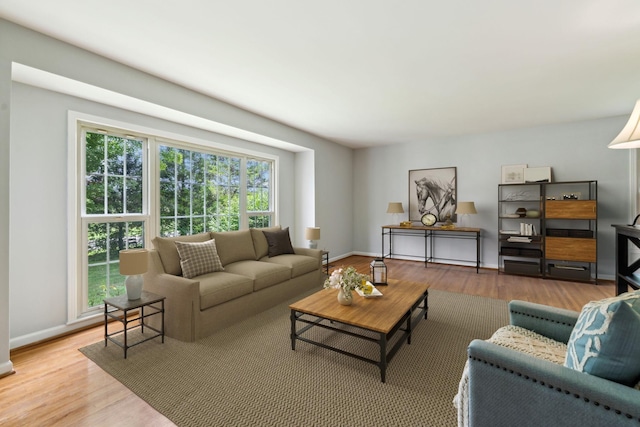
<point>347,279</point>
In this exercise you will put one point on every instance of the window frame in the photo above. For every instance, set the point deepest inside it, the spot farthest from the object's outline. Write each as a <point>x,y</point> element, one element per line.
<point>77,220</point>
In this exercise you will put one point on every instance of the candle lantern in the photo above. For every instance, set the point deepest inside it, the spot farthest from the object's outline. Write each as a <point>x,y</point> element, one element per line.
<point>378,272</point>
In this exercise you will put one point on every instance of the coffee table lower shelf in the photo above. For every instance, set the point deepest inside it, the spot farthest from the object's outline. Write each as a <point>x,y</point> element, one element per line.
<point>409,321</point>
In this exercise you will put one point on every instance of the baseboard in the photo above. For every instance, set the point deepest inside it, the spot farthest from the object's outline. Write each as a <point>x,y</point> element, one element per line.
<point>52,333</point>
<point>6,369</point>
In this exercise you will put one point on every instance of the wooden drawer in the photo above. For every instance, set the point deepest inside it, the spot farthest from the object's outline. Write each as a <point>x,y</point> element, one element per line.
<point>570,209</point>
<point>570,249</point>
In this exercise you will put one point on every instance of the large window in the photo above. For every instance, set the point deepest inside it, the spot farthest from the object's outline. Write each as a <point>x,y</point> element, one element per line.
<point>198,192</point>
<point>113,212</point>
<point>259,210</point>
<point>195,189</point>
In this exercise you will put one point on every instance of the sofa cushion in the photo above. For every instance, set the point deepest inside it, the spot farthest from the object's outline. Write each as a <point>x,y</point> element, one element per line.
<point>260,244</point>
<point>279,242</point>
<point>605,341</point>
<point>219,287</point>
<point>234,246</point>
<point>197,258</point>
<point>299,264</point>
<point>263,274</point>
<point>169,256</point>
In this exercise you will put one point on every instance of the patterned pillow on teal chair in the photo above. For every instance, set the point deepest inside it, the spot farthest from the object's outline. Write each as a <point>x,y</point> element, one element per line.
<point>605,341</point>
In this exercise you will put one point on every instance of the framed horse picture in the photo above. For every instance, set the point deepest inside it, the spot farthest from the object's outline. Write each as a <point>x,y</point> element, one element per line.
<point>433,191</point>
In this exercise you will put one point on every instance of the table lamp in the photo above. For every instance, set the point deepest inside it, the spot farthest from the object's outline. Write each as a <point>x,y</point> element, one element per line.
<point>133,264</point>
<point>312,234</point>
<point>465,208</point>
<point>395,208</point>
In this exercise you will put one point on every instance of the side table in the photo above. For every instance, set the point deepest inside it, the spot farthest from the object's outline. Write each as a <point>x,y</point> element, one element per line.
<point>117,308</point>
<point>325,261</point>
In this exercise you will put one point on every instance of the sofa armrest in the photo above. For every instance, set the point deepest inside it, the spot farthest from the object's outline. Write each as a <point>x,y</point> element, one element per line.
<point>552,322</point>
<point>182,298</point>
<point>507,388</point>
<point>316,253</point>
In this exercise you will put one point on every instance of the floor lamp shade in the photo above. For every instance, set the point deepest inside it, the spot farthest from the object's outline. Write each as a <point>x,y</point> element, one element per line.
<point>312,234</point>
<point>133,264</point>
<point>629,137</point>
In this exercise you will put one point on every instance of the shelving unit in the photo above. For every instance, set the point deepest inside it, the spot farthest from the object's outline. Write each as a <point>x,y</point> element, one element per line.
<point>516,255</point>
<point>564,243</point>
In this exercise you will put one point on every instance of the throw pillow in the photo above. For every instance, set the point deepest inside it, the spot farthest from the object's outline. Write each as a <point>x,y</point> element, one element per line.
<point>198,258</point>
<point>605,341</point>
<point>279,242</point>
<point>169,256</point>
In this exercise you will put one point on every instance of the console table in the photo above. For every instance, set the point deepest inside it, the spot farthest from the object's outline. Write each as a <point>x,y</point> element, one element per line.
<point>430,235</point>
<point>625,272</point>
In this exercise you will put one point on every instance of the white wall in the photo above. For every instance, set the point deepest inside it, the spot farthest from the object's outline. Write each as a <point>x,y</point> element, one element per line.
<point>6,366</point>
<point>36,210</point>
<point>575,151</point>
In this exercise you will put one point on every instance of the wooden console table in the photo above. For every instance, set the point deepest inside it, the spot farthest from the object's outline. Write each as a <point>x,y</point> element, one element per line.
<point>625,272</point>
<point>430,234</point>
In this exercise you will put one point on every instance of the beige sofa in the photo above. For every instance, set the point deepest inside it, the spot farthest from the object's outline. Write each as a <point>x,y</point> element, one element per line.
<point>251,281</point>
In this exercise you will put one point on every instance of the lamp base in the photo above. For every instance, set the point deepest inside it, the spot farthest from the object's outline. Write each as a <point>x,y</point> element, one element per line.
<point>313,244</point>
<point>134,286</point>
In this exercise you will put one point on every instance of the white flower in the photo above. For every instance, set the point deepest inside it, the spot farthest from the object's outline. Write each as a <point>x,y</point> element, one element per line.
<point>347,279</point>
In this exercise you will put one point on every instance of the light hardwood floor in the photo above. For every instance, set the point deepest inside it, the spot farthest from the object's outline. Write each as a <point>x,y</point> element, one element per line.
<point>55,384</point>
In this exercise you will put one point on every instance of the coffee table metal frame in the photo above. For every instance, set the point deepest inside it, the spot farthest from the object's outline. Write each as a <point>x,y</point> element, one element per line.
<point>408,320</point>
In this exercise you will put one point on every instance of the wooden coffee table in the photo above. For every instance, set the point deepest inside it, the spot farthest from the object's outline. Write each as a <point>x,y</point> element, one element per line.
<point>384,317</point>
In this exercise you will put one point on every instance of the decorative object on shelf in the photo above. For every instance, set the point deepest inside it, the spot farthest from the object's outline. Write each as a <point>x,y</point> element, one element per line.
<point>434,191</point>
<point>536,175</point>
<point>521,212</point>
<point>532,213</point>
<point>395,208</point>
<point>519,195</point>
<point>378,272</point>
<point>629,137</point>
<point>312,234</point>
<point>448,224</point>
<point>513,174</point>
<point>428,219</point>
<point>345,280</point>
<point>406,224</point>
<point>133,264</point>
<point>466,208</point>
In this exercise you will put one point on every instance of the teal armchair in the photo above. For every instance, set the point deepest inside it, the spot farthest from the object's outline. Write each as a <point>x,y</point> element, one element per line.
<point>509,388</point>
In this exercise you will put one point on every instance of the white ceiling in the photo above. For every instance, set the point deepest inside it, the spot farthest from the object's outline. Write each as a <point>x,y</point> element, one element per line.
<point>372,72</point>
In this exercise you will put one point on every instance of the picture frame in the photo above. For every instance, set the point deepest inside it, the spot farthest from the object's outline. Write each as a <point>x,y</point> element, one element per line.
<point>433,191</point>
<point>541,174</point>
<point>513,174</point>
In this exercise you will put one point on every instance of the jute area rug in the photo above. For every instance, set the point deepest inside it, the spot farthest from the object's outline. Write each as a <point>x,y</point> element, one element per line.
<point>247,374</point>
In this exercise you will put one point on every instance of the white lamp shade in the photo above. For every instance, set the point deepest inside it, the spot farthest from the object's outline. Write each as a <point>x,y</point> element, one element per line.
<point>312,233</point>
<point>395,208</point>
<point>629,137</point>
<point>133,262</point>
<point>466,208</point>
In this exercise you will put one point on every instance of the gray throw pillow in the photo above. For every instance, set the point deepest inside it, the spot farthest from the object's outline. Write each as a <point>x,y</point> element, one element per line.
<point>279,242</point>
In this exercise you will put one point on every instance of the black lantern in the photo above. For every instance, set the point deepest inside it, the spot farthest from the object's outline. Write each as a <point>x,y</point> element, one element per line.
<point>378,272</point>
